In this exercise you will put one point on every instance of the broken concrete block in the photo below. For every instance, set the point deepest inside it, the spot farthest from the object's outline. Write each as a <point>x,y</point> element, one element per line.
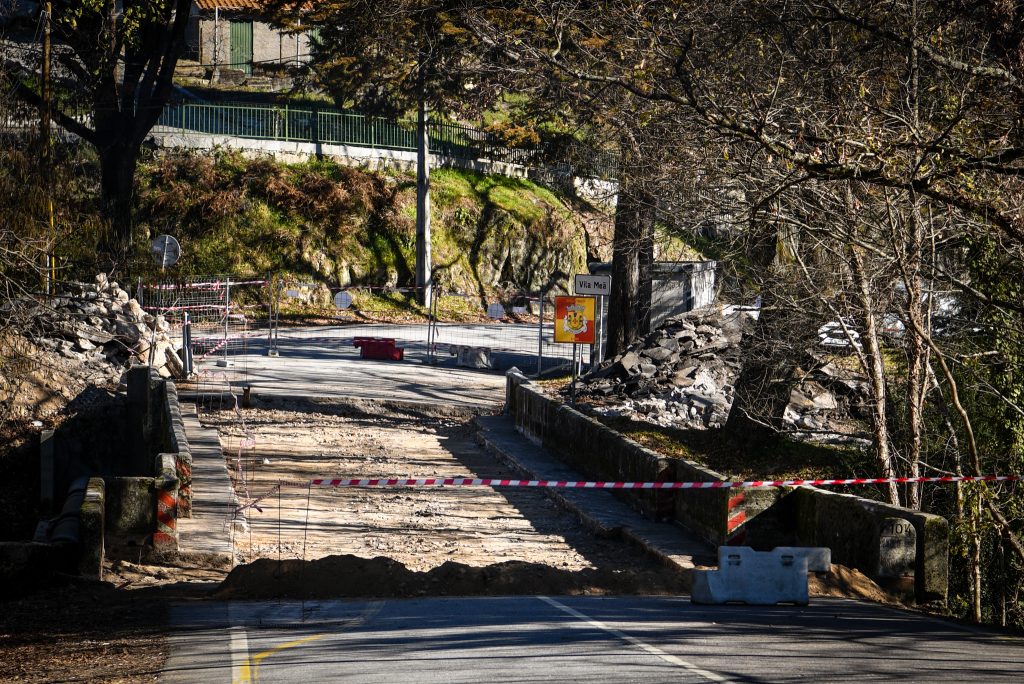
<point>473,357</point>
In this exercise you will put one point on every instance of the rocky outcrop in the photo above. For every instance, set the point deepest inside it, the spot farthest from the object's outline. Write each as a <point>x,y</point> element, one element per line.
<point>682,375</point>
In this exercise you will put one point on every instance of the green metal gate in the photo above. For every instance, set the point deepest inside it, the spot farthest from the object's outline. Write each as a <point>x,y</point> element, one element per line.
<point>240,54</point>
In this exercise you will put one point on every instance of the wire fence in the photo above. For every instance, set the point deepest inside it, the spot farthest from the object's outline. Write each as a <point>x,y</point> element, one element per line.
<point>225,320</point>
<point>216,316</point>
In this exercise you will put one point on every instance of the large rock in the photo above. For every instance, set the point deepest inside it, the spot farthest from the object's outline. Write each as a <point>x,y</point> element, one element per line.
<point>629,362</point>
<point>657,354</point>
<point>809,396</point>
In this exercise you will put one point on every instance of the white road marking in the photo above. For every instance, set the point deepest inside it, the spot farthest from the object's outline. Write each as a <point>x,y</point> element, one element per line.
<point>240,672</point>
<point>653,650</point>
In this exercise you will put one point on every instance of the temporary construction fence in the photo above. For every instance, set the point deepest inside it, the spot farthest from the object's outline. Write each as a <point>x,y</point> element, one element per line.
<point>515,329</point>
<point>214,315</point>
<point>223,319</point>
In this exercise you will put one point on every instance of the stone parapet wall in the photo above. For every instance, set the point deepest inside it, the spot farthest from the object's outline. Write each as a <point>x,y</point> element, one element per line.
<point>600,452</point>
<point>157,428</point>
<point>856,530</point>
<point>862,534</point>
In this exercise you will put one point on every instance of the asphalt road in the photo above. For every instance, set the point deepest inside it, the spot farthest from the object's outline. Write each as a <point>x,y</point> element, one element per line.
<point>322,362</point>
<point>570,639</point>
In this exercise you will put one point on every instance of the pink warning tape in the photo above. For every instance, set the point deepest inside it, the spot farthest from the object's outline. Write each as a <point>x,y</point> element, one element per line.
<point>565,484</point>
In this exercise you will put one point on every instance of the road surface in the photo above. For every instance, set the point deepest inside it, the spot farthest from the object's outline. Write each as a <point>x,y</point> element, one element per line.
<point>322,362</point>
<point>566,639</point>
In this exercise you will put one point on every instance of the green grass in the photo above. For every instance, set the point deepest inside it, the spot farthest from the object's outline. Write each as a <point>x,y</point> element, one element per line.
<point>526,201</point>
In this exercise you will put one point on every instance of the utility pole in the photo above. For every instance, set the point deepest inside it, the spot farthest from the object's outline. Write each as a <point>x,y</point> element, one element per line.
<point>46,153</point>
<point>424,282</point>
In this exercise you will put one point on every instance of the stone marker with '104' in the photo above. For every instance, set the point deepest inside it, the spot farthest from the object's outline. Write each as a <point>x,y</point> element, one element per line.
<point>897,548</point>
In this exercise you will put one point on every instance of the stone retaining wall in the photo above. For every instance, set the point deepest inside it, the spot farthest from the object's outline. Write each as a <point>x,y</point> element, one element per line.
<point>858,531</point>
<point>156,426</point>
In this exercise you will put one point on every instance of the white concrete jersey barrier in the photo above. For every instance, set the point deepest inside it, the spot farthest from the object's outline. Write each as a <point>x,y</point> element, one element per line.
<point>759,578</point>
<point>471,357</point>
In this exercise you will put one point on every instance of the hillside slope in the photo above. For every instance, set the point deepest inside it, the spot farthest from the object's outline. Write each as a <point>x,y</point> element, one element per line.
<point>340,226</point>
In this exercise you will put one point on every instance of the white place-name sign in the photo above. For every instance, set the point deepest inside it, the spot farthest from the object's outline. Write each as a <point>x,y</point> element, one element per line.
<point>600,285</point>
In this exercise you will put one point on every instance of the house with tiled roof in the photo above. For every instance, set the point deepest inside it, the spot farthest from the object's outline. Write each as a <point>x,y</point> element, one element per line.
<point>233,34</point>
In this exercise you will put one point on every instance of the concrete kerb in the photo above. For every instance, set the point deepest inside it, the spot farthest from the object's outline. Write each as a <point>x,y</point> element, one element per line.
<point>592,523</point>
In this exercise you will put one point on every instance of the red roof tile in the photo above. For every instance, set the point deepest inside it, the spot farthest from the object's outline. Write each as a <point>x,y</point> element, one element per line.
<point>255,5</point>
<point>228,4</point>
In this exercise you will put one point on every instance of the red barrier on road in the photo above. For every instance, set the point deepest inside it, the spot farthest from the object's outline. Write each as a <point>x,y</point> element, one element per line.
<point>381,348</point>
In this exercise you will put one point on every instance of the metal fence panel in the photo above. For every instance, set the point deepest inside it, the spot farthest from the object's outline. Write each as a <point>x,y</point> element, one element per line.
<point>305,123</point>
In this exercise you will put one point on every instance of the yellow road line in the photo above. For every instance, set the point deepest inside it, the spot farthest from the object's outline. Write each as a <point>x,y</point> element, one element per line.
<point>247,673</point>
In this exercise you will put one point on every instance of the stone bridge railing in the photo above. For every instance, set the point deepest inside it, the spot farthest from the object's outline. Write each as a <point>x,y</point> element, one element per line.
<point>880,540</point>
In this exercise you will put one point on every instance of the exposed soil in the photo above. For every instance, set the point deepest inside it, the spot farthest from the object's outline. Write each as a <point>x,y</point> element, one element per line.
<point>112,631</point>
<point>392,543</point>
<point>419,528</point>
<point>407,542</point>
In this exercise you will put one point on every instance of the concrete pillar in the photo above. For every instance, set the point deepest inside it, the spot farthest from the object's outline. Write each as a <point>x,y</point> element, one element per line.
<point>165,535</point>
<point>91,526</point>
<point>138,421</point>
<point>46,472</point>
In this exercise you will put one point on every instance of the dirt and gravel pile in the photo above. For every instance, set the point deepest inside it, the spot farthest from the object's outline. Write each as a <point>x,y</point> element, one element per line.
<point>683,375</point>
<point>349,576</point>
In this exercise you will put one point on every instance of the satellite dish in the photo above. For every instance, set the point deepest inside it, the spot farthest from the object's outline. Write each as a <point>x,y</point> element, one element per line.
<point>496,310</point>
<point>166,251</point>
<point>343,300</point>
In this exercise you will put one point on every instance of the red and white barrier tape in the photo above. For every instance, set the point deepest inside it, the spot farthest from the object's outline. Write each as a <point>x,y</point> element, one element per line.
<point>217,347</point>
<point>565,484</point>
<point>189,307</point>
<point>255,502</point>
<point>210,284</point>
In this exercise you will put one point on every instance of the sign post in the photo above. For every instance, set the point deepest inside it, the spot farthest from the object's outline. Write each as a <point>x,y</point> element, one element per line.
<point>601,287</point>
<point>574,324</point>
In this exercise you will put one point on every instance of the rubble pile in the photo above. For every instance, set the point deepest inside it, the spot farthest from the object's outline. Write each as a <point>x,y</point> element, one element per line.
<point>100,324</point>
<point>682,375</point>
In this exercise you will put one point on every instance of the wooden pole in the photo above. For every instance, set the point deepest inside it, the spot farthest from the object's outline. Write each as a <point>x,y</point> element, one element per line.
<point>46,153</point>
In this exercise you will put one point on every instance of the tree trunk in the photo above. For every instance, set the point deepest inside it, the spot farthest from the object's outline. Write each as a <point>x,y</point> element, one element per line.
<point>876,373</point>
<point>424,285</point>
<point>117,186</point>
<point>630,301</point>
<point>917,352</point>
<point>761,392</point>
<point>975,557</point>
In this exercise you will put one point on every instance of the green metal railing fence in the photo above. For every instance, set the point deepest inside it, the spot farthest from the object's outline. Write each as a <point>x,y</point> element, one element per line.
<point>333,127</point>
